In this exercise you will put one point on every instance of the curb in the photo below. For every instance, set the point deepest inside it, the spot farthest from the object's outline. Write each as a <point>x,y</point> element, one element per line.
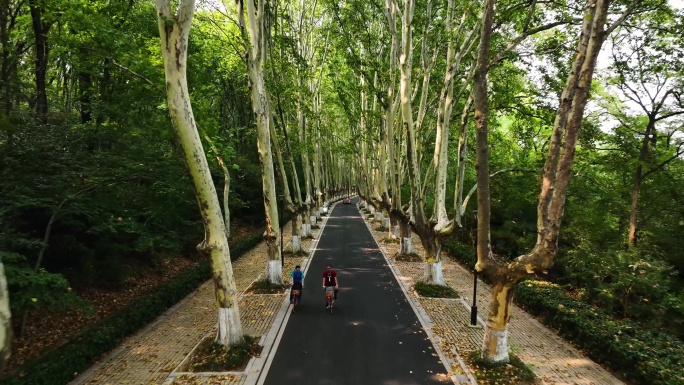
<point>257,370</point>
<point>426,322</point>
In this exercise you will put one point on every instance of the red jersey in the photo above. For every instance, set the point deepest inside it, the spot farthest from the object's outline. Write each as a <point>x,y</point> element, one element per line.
<point>330,277</point>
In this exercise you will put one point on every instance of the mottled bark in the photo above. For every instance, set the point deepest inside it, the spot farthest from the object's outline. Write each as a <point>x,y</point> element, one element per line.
<point>41,52</point>
<point>261,108</point>
<point>174,29</point>
<point>555,178</point>
<point>5,320</point>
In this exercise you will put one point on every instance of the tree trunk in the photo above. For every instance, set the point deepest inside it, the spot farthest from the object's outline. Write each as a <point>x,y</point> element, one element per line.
<point>296,233</point>
<point>84,85</point>
<point>5,57</point>
<point>40,30</point>
<point>462,151</point>
<point>261,108</point>
<point>174,30</point>
<point>5,320</point>
<point>405,246</point>
<point>638,175</point>
<point>557,170</point>
<point>433,256</point>
<point>484,250</point>
<point>495,344</point>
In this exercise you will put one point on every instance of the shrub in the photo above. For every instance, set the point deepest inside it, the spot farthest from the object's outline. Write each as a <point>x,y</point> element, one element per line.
<point>644,355</point>
<point>513,372</point>
<point>466,254</point>
<point>640,353</point>
<point>264,286</point>
<point>32,289</point>
<point>210,356</point>
<point>435,291</point>
<point>58,365</point>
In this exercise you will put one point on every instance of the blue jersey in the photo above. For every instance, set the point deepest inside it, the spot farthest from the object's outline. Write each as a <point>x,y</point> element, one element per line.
<point>297,276</point>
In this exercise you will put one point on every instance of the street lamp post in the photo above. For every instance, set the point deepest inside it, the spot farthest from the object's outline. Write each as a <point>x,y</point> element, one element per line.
<point>280,223</point>
<point>473,309</point>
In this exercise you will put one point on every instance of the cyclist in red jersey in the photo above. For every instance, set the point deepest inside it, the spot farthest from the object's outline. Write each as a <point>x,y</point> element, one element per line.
<point>330,279</point>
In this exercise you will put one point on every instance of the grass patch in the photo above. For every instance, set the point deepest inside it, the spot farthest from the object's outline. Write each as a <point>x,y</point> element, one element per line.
<point>410,257</point>
<point>300,253</point>
<point>514,372</point>
<point>434,291</point>
<point>390,240</point>
<point>381,228</point>
<point>315,227</point>
<point>211,356</point>
<point>264,286</point>
<point>370,216</point>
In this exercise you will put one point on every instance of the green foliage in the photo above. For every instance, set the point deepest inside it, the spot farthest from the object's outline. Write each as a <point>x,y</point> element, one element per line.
<point>632,283</point>
<point>514,372</point>
<point>636,349</point>
<point>210,356</point>
<point>641,354</point>
<point>466,254</point>
<point>59,364</point>
<point>264,286</point>
<point>434,291</point>
<point>37,289</point>
<point>410,257</point>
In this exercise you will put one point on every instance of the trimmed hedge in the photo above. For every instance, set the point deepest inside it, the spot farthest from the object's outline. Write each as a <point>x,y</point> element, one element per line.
<point>642,355</point>
<point>61,364</point>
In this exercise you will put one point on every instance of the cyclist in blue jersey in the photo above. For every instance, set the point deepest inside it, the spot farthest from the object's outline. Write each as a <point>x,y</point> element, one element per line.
<point>297,276</point>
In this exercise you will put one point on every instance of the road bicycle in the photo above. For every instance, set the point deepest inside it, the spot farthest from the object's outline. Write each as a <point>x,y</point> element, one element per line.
<point>295,299</point>
<point>329,298</point>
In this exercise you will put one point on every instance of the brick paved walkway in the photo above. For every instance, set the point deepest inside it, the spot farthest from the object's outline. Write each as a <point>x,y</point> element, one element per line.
<point>553,360</point>
<point>149,356</point>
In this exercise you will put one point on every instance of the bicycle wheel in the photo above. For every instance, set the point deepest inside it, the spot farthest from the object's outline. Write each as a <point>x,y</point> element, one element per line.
<point>295,300</point>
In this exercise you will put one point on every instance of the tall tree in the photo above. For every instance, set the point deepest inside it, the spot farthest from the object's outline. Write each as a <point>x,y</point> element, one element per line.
<point>5,320</point>
<point>649,74</point>
<point>41,27</point>
<point>556,174</point>
<point>174,29</point>
<point>256,58</point>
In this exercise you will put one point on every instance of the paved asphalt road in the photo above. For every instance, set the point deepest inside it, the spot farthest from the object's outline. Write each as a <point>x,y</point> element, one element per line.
<point>373,336</point>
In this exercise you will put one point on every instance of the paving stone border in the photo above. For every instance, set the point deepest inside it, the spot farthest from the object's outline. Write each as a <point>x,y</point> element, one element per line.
<point>455,367</point>
<point>554,361</point>
<point>150,355</point>
<point>257,367</point>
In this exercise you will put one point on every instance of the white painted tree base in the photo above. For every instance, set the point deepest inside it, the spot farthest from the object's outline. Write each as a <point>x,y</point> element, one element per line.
<point>5,319</point>
<point>274,272</point>
<point>229,327</point>
<point>312,219</point>
<point>405,246</point>
<point>385,222</point>
<point>378,216</point>
<point>296,244</point>
<point>501,338</point>
<point>434,274</point>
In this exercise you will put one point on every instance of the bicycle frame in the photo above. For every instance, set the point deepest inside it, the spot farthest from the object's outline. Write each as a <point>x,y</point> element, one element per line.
<point>330,297</point>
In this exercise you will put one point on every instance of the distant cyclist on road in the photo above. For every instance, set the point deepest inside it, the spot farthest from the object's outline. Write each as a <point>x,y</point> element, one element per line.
<point>297,276</point>
<point>330,279</point>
